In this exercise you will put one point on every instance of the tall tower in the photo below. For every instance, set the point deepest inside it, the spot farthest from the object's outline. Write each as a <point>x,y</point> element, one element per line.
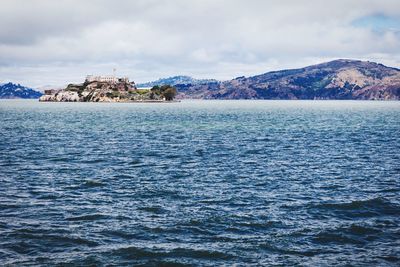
<point>114,78</point>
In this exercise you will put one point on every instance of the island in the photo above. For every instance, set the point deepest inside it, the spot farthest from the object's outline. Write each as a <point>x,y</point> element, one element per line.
<point>109,89</point>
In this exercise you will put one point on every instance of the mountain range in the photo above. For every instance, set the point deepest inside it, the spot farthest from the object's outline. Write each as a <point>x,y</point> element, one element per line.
<point>338,79</point>
<point>12,90</point>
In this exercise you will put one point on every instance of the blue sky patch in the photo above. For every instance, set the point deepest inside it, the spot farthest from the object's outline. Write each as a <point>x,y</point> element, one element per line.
<point>378,23</point>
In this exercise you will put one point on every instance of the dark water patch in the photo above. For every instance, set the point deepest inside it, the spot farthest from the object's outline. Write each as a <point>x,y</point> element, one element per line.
<point>60,159</point>
<point>69,241</point>
<point>10,206</point>
<point>93,183</point>
<point>135,162</point>
<point>133,252</point>
<point>34,243</point>
<point>3,225</point>
<point>253,152</point>
<point>200,253</point>
<point>89,217</point>
<point>48,196</point>
<point>288,251</point>
<point>392,259</point>
<point>119,234</point>
<point>78,261</point>
<point>360,208</point>
<point>258,225</point>
<point>153,154</point>
<point>153,209</point>
<point>172,156</point>
<point>92,161</point>
<point>199,152</point>
<point>23,247</point>
<point>338,238</point>
<point>164,263</point>
<point>121,177</point>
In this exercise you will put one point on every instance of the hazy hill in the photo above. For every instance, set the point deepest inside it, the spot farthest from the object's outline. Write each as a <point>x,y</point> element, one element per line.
<point>11,90</point>
<point>338,79</point>
<point>175,80</point>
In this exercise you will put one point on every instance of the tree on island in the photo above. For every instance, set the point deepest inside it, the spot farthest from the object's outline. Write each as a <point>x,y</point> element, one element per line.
<point>167,91</point>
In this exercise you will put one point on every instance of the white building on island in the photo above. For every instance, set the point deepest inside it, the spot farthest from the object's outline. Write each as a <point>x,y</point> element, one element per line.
<point>108,78</point>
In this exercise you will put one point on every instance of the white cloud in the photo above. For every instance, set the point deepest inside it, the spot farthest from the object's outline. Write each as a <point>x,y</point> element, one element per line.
<point>56,42</point>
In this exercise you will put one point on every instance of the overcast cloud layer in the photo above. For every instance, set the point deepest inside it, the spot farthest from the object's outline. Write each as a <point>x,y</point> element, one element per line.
<point>46,42</point>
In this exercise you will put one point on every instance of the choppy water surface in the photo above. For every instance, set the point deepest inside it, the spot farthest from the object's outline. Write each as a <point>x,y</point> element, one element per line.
<point>200,183</point>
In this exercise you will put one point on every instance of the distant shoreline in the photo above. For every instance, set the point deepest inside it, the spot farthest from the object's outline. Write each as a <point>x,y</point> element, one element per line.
<point>211,100</point>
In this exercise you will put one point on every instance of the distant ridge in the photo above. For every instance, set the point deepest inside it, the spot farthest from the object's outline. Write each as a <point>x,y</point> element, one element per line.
<point>11,90</point>
<point>337,79</point>
<point>175,80</point>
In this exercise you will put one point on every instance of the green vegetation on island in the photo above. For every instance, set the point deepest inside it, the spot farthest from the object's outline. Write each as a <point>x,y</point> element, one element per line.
<point>167,92</point>
<point>110,89</point>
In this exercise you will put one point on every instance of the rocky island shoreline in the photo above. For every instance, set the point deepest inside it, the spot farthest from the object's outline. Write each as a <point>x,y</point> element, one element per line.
<point>109,89</point>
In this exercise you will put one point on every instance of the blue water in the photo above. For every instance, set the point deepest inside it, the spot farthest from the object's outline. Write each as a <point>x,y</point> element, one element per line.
<point>200,183</point>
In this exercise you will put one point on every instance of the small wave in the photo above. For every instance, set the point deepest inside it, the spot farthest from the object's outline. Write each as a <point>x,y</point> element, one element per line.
<point>165,263</point>
<point>172,156</point>
<point>200,254</point>
<point>253,152</point>
<point>10,206</point>
<point>86,261</point>
<point>152,154</point>
<point>199,152</point>
<point>390,258</point>
<point>50,241</point>
<point>123,176</point>
<point>375,202</point>
<point>73,240</point>
<point>93,183</point>
<point>118,234</point>
<point>354,234</point>
<point>261,225</point>
<point>90,161</point>
<point>133,252</point>
<point>328,237</point>
<point>275,249</point>
<point>135,162</point>
<point>362,208</point>
<point>90,217</point>
<point>48,196</point>
<point>153,209</point>
<point>60,159</point>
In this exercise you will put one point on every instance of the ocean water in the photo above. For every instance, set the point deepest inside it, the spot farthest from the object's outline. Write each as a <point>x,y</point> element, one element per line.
<point>200,183</point>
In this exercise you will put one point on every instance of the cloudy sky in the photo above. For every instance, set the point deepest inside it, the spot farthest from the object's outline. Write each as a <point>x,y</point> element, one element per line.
<point>47,42</point>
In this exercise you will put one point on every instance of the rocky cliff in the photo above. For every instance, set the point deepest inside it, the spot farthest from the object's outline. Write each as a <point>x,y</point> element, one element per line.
<point>338,79</point>
<point>97,91</point>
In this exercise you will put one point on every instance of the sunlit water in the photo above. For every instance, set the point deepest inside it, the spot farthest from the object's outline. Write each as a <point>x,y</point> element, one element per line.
<point>200,183</point>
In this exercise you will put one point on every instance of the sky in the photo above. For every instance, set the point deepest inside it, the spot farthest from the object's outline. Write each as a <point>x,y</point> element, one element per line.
<point>53,43</point>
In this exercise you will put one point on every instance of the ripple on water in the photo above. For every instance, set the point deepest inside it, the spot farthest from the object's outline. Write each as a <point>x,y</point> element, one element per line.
<point>354,234</point>
<point>93,183</point>
<point>133,252</point>
<point>360,208</point>
<point>287,183</point>
<point>89,217</point>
